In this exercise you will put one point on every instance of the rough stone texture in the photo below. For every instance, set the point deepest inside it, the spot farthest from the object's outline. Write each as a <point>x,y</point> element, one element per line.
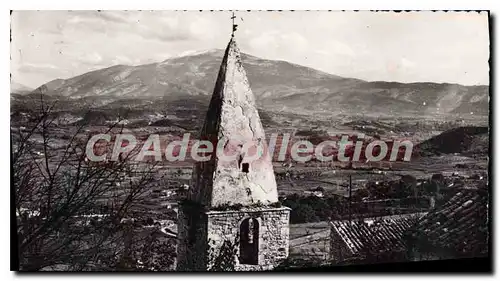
<point>214,228</point>
<point>232,121</point>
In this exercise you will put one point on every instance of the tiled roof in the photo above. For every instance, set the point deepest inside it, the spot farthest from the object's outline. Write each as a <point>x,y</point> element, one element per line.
<point>460,225</point>
<point>380,234</point>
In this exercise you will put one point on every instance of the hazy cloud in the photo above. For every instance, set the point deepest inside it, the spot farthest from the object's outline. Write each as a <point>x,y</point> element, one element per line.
<point>31,67</point>
<point>406,47</point>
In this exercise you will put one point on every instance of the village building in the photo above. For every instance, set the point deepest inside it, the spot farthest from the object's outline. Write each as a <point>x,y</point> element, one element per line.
<point>458,228</point>
<point>370,239</point>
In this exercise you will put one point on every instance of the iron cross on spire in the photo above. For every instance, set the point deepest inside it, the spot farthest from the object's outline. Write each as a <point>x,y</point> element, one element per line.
<point>234,25</point>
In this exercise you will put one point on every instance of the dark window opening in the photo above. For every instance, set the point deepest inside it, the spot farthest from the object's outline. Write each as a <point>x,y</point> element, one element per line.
<point>245,168</point>
<point>249,241</point>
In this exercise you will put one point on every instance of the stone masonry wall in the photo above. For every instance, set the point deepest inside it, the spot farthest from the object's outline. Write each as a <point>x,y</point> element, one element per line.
<point>273,235</point>
<point>203,234</point>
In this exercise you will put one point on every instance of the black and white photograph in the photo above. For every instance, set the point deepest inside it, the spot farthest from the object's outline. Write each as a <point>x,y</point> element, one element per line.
<point>249,140</point>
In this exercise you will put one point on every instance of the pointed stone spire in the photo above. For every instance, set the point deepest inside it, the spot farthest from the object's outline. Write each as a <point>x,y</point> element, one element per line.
<point>244,176</point>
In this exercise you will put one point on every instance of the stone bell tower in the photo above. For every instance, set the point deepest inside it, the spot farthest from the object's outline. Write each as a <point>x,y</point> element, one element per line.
<point>232,219</point>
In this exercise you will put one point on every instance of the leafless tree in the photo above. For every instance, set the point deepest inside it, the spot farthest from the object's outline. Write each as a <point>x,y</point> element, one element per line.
<point>69,210</point>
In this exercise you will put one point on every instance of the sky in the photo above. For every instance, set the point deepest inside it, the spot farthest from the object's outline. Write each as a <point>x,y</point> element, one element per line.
<point>375,46</point>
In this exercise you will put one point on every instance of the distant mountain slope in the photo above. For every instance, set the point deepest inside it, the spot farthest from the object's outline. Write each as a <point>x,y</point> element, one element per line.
<point>469,140</point>
<point>17,88</point>
<point>278,86</point>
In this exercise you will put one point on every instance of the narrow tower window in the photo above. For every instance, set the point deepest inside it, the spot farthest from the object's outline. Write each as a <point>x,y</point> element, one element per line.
<point>245,168</point>
<point>249,241</point>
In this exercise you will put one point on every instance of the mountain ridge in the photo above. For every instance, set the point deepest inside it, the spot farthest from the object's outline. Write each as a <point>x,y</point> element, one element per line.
<point>277,85</point>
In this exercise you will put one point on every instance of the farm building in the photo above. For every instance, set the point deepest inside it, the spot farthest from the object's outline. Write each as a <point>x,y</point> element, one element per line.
<point>370,238</point>
<point>458,229</point>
